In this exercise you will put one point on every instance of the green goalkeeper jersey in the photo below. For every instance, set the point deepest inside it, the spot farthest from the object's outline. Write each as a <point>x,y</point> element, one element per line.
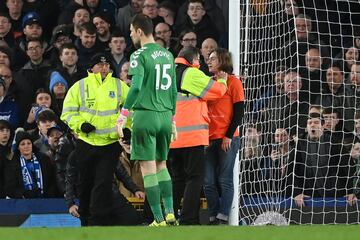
<point>154,84</point>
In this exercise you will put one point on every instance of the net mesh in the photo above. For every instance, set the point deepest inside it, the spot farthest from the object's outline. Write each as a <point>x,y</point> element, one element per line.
<point>300,152</point>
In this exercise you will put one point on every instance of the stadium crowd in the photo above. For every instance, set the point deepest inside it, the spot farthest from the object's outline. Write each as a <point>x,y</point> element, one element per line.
<point>303,134</point>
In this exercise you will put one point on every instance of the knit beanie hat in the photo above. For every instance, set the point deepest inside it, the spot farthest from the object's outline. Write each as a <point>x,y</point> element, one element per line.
<point>57,78</point>
<point>22,135</point>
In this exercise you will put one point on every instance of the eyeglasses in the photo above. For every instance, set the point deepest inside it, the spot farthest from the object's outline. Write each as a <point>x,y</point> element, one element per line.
<point>162,32</point>
<point>34,48</point>
<point>189,40</point>
<point>195,9</point>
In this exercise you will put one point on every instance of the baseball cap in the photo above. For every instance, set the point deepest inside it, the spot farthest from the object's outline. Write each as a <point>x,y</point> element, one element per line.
<point>55,127</point>
<point>30,18</point>
<point>59,30</point>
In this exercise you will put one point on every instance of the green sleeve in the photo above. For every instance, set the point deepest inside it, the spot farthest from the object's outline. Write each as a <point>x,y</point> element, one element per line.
<point>136,84</point>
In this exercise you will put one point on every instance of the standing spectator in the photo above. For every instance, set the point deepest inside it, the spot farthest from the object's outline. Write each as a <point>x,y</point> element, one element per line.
<point>163,31</point>
<point>321,170</point>
<point>69,68</point>
<point>15,8</point>
<point>8,108</point>
<point>167,10</point>
<point>224,139</point>
<point>103,29</point>
<point>152,96</point>
<point>150,9</point>
<point>90,109</point>
<point>187,154</point>
<point>32,76</point>
<point>29,174</point>
<point>81,16</point>
<point>60,36</point>
<point>117,46</point>
<point>199,22</point>
<point>125,14</point>
<point>5,30</point>
<point>186,38</point>
<point>86,45</point>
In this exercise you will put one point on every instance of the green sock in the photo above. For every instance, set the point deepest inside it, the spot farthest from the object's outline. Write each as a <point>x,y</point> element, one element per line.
<point>152,191</point>
<point>165,186</point>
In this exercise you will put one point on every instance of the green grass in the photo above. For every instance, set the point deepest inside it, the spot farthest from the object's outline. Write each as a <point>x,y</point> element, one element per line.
<point>328,232</point>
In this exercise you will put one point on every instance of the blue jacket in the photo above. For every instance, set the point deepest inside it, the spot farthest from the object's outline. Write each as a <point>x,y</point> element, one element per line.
<point>9,112</point>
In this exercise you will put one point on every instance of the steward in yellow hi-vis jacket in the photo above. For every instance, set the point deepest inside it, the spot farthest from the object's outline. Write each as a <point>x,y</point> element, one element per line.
<point>187,152</point>
<point>91,108</point>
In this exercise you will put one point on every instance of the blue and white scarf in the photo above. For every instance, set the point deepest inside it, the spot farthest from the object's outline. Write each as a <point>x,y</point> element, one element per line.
<point>27,176</point>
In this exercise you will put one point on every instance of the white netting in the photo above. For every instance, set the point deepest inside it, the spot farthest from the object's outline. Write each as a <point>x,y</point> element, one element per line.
<point>299,159</point>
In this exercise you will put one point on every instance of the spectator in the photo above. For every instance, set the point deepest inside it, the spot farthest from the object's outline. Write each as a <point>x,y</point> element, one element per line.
<point>60,147</point>
<point>58,88</point>
<point>224,139</point>
<point>5,56</point>
<point>355,158</point>
<point>10,85</point>
<point>69,68</point>
<point>86,45</point>
<point>15,10</point>
<point>332,124</point>
<point>207,46</point>
<point>167,10</point>
<point>8,108</point>
<point>103,29</point>
<point>5,30</point>
<point>125,14</point>
<point>163,31</point>
<point>5,150</point>
<point>60,36</point>
<point>32,76</point>
<point>124,73</point>
<point>357,126</point>
<point>350,56</point>
<point>160,41</point>
<point>42,101</point>
<point>29,174</point>
<point>81,16</point>
<point>199,22</point>
<point>150,9</point>
<point>186,38</point>
<point>320,168</point>
<point>187,152</point>
<point>117,46</point>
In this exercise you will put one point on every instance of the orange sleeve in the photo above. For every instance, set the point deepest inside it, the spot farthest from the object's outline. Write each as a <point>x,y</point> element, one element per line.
<point>236,89</point>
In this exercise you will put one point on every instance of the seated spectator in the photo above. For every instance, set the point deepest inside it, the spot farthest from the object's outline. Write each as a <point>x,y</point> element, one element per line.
<point>186,38</point>
<point>8,108</point>
<point>60,36</point>
<point>5,30</point>
<point>124,73</point>
<point>123,212</point>
<point>29,174</point>
<point>199,22</point>
<point>167,10</point>
<point>32,76</point>
<point>103,26</point>
<point>5,56</point>
<point>58,88</point>
<point>150,9</point>
<point>45,120</point>
<point>117,47</point>
<point>42,101</point>
<point>80,16</point>
<point>321,170</point>
<point>163,31</point>
<point>5,150</point>
<point>61,145</point>
<point>86,45</point>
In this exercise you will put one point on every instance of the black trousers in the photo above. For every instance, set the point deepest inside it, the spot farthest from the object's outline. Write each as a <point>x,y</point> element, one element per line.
<point>96,168</point>
<point>187,170</point>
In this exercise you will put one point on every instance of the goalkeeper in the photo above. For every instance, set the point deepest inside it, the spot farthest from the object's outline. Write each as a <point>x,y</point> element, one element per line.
<point>152,96</point>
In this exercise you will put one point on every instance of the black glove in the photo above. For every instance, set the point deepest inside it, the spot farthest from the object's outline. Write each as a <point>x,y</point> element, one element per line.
<point>87,127</point>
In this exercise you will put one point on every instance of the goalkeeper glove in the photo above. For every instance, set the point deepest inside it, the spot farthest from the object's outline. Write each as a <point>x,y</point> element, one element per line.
<point>121,121</point>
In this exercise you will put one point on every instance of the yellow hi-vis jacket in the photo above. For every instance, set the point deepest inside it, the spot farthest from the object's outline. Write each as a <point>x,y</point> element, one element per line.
<point>95,101</point>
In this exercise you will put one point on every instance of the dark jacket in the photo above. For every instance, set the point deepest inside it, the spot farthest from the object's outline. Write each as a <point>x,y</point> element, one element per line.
<point>9,111</point>
<point>85,54</point>
<point>14,186</point>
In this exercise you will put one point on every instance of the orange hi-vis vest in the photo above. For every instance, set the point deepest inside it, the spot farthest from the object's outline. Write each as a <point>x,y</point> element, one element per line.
<point>192,120</point>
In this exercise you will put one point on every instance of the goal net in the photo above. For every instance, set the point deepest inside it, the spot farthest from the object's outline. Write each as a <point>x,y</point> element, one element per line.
<point>299,161</point>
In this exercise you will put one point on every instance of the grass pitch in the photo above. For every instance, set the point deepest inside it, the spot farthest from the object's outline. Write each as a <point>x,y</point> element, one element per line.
<point>323,232</point>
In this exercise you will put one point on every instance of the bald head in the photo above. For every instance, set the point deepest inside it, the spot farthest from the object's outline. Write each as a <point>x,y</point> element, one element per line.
<point>207,46</point>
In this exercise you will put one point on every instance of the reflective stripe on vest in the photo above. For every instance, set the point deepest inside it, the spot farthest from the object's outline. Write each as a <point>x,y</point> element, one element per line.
<point>105,131</point>
<point>192,128</point>
<point>207,88</point>
<point>182,97</point>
